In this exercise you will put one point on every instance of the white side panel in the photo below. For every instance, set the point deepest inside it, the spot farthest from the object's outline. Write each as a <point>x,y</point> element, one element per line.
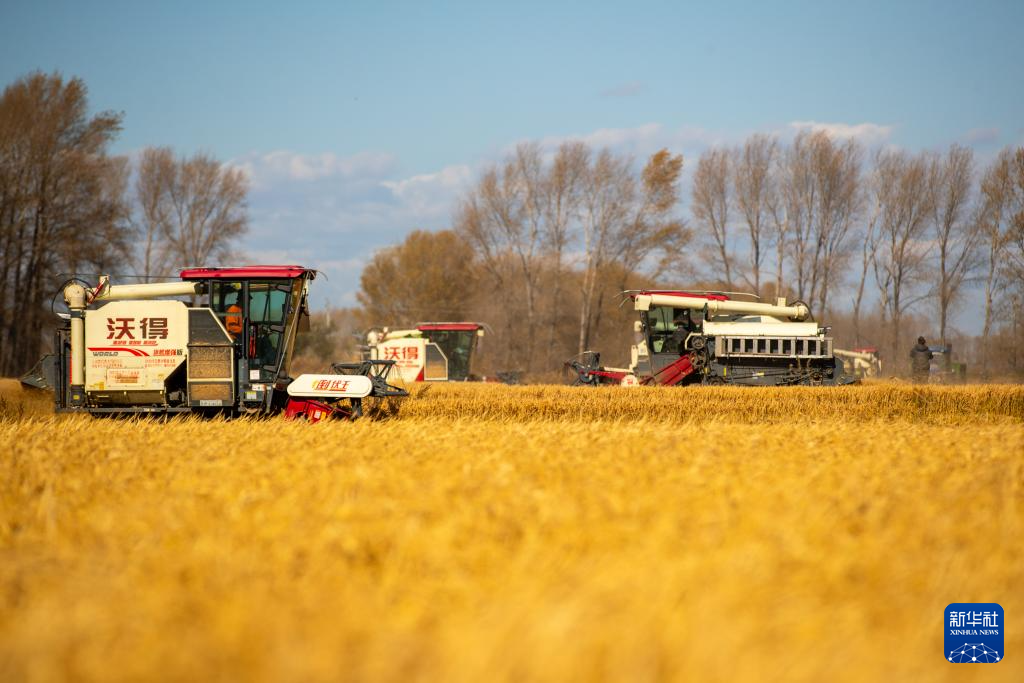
<point>330,386</point>
<point>134,345</point>
<point>409,354</point>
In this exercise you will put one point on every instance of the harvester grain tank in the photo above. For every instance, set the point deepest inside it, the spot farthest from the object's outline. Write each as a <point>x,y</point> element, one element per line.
<point>714,338</point>
<point>137,349</point>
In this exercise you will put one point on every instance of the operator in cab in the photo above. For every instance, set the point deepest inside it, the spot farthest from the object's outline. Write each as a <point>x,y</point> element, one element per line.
<point>233,319</point>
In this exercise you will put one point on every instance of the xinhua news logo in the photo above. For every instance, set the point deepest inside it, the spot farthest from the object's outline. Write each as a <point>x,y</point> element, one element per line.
<point>974,633</point>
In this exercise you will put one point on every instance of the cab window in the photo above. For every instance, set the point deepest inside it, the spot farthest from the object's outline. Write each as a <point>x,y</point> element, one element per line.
<point>226,302</point>
<point>268,309</point>
<point>667,328</point>
<point>267,303</point>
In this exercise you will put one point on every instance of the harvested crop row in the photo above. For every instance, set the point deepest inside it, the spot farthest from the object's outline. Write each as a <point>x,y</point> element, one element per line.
<point>884,401</point>
<point>931,404</point>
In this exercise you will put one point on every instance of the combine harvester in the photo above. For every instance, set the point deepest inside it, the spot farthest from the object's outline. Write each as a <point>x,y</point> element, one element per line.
<point>134,349</point>
<point>709,338</point>
<point>430,352</point>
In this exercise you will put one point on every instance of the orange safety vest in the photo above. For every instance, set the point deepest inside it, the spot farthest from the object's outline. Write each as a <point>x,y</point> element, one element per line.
<point>233,320</point>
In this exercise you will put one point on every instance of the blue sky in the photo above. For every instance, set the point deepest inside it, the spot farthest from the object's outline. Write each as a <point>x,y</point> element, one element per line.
<point>361,121</point>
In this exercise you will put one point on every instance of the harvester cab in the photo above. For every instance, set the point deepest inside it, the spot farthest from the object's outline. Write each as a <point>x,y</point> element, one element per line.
<point>716,338</point>
<point>228,349</point>
<point>428,352</point>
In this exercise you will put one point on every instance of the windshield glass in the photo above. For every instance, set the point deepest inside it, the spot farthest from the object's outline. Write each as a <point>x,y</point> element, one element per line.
<point>457,345</point>
<point>667,328</point>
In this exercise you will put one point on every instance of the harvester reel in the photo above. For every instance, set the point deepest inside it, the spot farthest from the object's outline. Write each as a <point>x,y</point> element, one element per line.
<point>582,368</point>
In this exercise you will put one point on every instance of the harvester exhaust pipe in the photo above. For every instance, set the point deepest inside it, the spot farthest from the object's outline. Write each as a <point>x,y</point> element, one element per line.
<point>796,311</point>
<point>75,297</point>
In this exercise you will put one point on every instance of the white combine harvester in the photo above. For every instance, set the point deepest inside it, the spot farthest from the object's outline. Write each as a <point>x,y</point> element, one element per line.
<point>428,352</point>
<point>141,349</point>
<point>712,338</point>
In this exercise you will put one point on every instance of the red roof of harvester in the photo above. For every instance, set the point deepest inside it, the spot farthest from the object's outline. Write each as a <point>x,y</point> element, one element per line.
<point>244,272</point>
<point>673,292</point>
<point>448,327</point>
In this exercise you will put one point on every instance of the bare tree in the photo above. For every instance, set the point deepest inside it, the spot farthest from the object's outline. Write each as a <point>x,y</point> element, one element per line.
<point>711,201</point>
<point>777,204</point>
<point>607,199</point>
<point>563,192</point>
<point>206,204</point>
<point>502,219</point>
<point>753,182</point>
<point>61,203</point>
<point>152,216</point>
<point>821,199</point>
<point>1017,219</point>
<point>641,228</point>
<point>840,200</point>
<point>869,244</point>
<point>652,228</point>
<point>525,217</point>
<point>793,213</point>
<point>900,187</point>
<point>956,232</point>
<point>997,197</point>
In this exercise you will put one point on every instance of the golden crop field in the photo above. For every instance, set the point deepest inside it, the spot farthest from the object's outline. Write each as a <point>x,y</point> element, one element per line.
<point>491,533</point>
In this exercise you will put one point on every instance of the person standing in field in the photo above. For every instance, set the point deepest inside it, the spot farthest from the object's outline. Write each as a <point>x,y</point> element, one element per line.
<point>920,361</point>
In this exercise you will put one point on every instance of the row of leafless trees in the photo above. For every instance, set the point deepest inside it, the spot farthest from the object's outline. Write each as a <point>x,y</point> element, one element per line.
<point>819,220</point>
<point>573,225</point>
<point>542,245</point>
<point>545,241</point>
<point>68,208</point>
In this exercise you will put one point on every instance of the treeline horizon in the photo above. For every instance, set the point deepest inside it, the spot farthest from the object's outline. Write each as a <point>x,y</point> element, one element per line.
<point>883,245</point>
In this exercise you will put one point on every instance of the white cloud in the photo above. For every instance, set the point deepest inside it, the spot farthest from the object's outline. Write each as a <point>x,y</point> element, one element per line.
<point>644,140</point>
<point>331,212</point>
<point>432,194</point>
<point>264,170</point>
<point>982,136</point>
<point>868,133</point>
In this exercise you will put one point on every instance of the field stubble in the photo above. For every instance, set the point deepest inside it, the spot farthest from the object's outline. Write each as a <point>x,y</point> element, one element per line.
<point>497,533</point>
